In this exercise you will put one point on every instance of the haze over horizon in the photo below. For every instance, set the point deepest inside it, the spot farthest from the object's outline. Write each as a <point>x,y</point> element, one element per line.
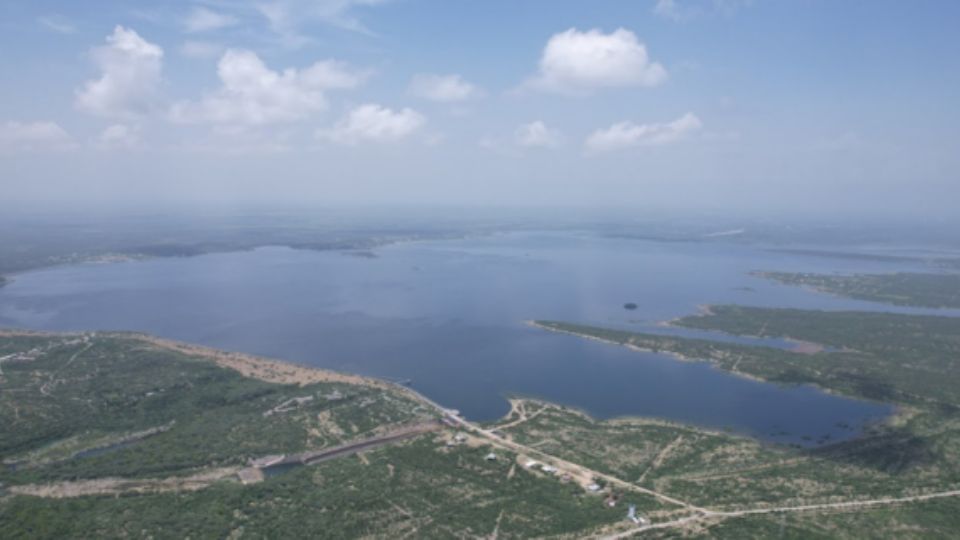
<point>814,107</point>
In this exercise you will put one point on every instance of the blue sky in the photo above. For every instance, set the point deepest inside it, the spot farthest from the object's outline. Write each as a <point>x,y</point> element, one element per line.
<point>729,104</point>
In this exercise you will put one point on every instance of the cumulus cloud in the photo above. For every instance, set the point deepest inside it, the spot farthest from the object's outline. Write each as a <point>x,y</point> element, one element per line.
<point>130,77</point>
<point>627,134</point>
<point>119,136</point>
<point>374,123</point>
<point>29,136</point>
<point>578,62</point>
<point>536,134</point>
<point>203,19</point>
<point>253,94</point>
<point>443,88</point>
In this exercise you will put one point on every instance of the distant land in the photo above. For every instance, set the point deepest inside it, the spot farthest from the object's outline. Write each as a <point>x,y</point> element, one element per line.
<point>902,289</point>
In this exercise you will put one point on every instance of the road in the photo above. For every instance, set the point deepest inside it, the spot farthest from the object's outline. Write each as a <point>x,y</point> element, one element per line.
<point>503,443</point>
<point>700,513</point>
<point>316,456</point>
<point>45,387</point>
<point>781,509</point>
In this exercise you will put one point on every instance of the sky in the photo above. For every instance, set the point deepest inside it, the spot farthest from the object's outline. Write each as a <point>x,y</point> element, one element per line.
<point>730,105</point>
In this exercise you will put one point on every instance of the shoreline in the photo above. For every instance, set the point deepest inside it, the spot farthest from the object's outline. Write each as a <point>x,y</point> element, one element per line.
<point>628,419</point>
<point>899,410</point>
<point>255,367</point>
<point>288,372</point>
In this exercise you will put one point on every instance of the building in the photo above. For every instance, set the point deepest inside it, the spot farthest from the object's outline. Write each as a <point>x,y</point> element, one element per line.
<point>490,457</point>
<point>267,461</point>
<point>632,516</point>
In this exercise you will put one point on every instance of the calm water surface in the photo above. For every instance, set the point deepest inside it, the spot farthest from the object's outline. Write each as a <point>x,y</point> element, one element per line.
<point>450,316</point>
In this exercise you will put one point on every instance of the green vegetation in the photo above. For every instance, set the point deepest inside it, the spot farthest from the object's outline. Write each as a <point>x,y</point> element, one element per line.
<point>110,435</point>
<point>903,289</point>
<point>82,393</point>
<point>728,472</point>
<point>724,472</point>
<point>913,361</point>
<point>907,359</point>
<point>935,261</point>
<point>413,489</point>
<point>932,520</point>
<point>161,435</point>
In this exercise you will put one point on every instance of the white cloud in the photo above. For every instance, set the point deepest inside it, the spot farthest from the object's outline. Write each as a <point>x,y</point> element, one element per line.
<point>286,17</point>
<point>536,134</point>
<point>673,10</point>
<point>201,49</point>
<point>443,88</point>
<point>683,10</point>
<point>202,19</point>
<point>253,94</point>
<point>58,24</point>
<point>20,137</point>
<point>119,136</point>
<point>577,62</point>
<point>374,123</point>
<point>628,134</point>
<point>130,79</point>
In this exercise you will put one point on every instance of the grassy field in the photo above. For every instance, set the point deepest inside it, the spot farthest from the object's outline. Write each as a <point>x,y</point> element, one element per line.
<point>902,289</point>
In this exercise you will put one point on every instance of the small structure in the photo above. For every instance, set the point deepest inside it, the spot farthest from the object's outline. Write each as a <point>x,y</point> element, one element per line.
<point>266,461</point>
<point>531,464</point>
<point>632,515</point>
<point>490,457</point>
<point>594,488</point>
<point>549,469</point>
<point>250,475</point>
<point>460,437</point>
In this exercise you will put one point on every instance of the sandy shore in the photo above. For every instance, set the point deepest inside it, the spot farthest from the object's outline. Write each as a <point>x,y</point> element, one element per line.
<point>264,369</point>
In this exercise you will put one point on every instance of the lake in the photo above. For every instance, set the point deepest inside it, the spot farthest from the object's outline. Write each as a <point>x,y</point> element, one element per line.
<point>449,315</point>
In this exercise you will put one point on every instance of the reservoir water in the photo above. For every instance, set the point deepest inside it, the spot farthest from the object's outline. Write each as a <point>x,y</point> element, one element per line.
<point>449,315</point>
